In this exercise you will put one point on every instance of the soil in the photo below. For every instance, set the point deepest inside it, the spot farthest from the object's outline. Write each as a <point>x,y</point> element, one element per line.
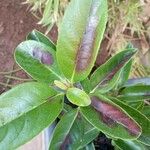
<point>15,23</point>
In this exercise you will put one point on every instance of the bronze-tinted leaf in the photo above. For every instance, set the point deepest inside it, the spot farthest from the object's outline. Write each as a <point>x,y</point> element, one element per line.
<point>80,36</point>
<point>107,71</point>
<point>85,50</point>
<point>43,56</point>
<point>38,60</point>
<point>111,113</point>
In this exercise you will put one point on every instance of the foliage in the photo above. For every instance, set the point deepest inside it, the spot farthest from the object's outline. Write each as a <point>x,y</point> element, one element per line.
<point>126,22</point>
<point>49,12</point>
<point>66,87</point>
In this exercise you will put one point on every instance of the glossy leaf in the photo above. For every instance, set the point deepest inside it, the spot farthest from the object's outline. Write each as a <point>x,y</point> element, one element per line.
<point>125,72</point>
<point>135,104</point>
<point>86,85</point>
<point>146,111</point>
<point>38,60</point>
<point>25,111</point>
<point>40,37</point>
<point>82,133</point>
<point>87,133</point>
<point>110,119</point>
<point>137,81</point>
<point>130,145</point>
<point>106,71</point>
<point>61,132</point>
<point>78,97</point>
<point>135,93</point>
<point>109,85</point>
<point>143,121</point>
<point>80,36</point>
<point>89,147</point>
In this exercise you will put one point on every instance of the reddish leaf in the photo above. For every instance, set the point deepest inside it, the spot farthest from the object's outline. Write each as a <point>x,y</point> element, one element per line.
<point>80,36</point>
<point>107,71</point>
<point>112,114</point>
<point>43,56</point>
<point>66,143</point>
<point>85,50</point>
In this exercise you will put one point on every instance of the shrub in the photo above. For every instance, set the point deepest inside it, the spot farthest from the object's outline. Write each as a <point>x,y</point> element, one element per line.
<point>65,87</point>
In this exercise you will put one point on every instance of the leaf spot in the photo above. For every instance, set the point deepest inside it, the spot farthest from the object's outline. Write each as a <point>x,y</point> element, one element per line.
<point>43,56</point>
<point>85,50</point>
<point>115,114</point>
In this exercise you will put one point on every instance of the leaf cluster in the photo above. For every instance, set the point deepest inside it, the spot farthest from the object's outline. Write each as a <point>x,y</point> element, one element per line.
<point>86,102</point>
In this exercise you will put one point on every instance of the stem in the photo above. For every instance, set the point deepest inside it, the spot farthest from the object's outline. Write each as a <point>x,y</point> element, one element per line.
<point>7,85</point>
<point>16,78</point>
<point>9,72</point>
<point>147,102</point>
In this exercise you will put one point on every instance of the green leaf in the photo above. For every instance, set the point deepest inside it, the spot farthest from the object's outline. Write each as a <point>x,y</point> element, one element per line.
<point>89,147</point>
<point>25,111</point>
<point>130,145</point>
<point>136,104</point>
<point>60,136</point>
<point>125,72</point>
<point>109,85</point>
<point>138,81</point>
<point>106,71</point>
<point>146,111</point>
<point>86,85</point>
<point>80,36</point>
<point>78,97</point>
<point>86,133</point>
<point>110,118</point>
<point>38,60</point>
<point>40,37</point>
<point>143,121</point>
<point>135,93</point>
<point>79,134</point>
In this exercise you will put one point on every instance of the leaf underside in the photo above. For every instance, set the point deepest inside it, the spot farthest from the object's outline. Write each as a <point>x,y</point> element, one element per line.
<point>137,81</point>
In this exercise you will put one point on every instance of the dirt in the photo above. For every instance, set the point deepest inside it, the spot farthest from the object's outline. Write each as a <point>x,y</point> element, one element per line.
<point>15,23</point>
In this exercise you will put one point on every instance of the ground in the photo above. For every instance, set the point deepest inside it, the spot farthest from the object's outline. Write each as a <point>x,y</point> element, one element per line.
<point>15,23</point>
